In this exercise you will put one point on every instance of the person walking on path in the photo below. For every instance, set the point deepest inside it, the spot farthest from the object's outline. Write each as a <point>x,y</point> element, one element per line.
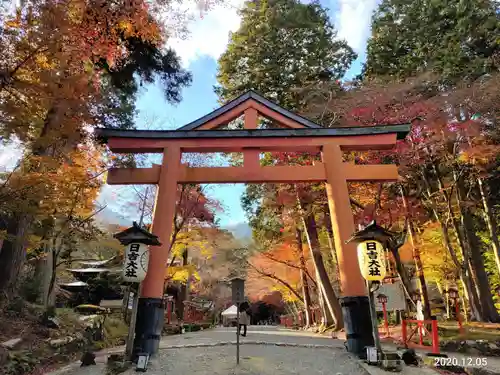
<point>244,319</point>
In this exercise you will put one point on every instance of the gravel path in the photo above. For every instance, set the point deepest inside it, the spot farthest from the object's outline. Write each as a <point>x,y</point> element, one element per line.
<point>254,360</point>
<point>265,351</point>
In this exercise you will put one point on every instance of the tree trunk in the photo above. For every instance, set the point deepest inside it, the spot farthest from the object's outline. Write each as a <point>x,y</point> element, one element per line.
<point>13,254</point>
<point>326,317</point>
<point>39,278</point>
<point>49,280</point>
<point>13,251</point>
<point>416,257</point>
<point>470,281</point>
<point>303,276</point>
<point>445,298</point>
<point>324,284</point>
<point>331,243</point>
<point>183,290</point>
<point>403,276</point>
<point>465,276</point>
<point>463,268</point>
<point>490,221</point>
<point>490,312</point>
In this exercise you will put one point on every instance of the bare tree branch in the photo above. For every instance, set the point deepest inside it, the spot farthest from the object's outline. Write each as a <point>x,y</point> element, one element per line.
<point>276,278</point>
<point>268,256</point>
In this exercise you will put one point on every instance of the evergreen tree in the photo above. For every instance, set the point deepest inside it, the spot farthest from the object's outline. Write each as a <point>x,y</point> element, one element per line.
<point>280,46</point>
<point>455,38</point>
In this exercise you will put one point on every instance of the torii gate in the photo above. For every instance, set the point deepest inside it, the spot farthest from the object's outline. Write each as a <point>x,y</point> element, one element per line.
<point>295,134</point>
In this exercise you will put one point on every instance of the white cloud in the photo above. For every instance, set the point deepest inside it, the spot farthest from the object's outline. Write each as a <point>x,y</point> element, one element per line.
<point>353,19</point>
<point>208,35</point>
<point>10,154</point>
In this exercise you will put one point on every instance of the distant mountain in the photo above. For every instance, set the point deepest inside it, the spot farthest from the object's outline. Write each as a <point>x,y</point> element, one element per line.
<point>240,231</point>
<point>108,216</point>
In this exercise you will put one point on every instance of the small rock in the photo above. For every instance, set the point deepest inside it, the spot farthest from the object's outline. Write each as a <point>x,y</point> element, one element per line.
<point>451,346</point>
<point>51,322</point>
<point>463,347</point>
<point>474,351</point>
<point>57,343</point>
<point>483,346</point>
<point>115,358</point>
<point>409,357</point>
<point>479,371</point>
<point>87,359</point>
<point>41,331</point>
<point>12,343</point>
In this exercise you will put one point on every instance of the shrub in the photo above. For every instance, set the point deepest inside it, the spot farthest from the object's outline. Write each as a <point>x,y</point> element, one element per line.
<point>192,327</point>
<point>19,363</point>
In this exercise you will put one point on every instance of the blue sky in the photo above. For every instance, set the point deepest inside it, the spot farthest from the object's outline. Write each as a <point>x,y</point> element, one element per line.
<point>199,51</point>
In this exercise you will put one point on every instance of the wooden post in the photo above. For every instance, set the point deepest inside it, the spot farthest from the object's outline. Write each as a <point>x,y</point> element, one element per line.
<point>435,335</point>
<point>404,331</point>
<point>238,333</point>
<point>129,349</point>
<point>386,322</point>
<point>459,318</point>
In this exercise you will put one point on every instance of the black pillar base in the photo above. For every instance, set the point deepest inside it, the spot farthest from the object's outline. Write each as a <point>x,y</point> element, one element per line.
<point>149,324</point>
<point>358,324</point>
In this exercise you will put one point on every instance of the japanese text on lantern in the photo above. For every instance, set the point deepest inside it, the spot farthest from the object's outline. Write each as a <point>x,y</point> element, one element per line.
<point>371,259</point>
<point>136,262</point>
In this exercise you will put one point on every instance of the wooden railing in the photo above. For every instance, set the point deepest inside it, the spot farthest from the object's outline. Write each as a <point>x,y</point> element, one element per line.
<point>411,328</point>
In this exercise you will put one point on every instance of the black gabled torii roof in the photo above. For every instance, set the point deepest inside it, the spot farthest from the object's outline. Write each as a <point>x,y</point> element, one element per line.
<point>401,131</point>
<point>241,99</point>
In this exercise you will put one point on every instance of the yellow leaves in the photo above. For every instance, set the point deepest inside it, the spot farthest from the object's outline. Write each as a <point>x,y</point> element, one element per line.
<point>436,260</point>
<point>286,294</point>
<point>43,62</point>
<point>59,187</point>
<point>194,242</point>
<point>34,243</point>
<point>14,24</point>
<point>206,251</point>
<point>126,27</point>
<point>75,11</point>
<point>182,273</point>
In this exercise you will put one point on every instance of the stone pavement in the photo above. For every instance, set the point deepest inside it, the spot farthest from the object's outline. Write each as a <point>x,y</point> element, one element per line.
<point>265,350</point>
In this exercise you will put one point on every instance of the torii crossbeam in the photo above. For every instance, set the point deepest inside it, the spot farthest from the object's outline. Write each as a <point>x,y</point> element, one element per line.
<point>295,134</point>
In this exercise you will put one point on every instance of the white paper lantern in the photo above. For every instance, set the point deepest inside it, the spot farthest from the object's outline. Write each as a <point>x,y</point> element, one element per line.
<point>371,259</point>
<point>135,267</point>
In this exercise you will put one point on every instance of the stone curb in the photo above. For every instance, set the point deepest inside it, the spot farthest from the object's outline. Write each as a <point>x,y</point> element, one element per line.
<point>102,355</point>
<point>226,343</point>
